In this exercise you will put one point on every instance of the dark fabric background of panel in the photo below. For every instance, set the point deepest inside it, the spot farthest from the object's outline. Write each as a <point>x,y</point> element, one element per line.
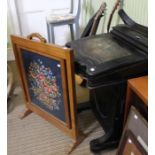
<point>51,69</point>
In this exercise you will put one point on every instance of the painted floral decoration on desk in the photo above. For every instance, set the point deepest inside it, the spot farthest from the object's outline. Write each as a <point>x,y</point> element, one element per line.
<point>43,84</point>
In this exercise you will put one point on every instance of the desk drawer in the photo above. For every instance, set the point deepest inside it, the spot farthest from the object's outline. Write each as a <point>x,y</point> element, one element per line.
<point>135,136</point>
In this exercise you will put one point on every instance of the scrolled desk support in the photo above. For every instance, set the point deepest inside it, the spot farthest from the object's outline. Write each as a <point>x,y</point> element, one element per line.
<point>109,113</point>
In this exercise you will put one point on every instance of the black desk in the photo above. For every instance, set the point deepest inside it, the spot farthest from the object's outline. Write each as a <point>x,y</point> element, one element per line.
<point>106,64</point>
<point>102,59</point>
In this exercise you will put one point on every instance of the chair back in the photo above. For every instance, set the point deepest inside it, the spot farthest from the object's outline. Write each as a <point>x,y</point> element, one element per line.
<point>75,7</point>
<point>118,3</point>
<point>93,23</point>
<point>97,18</point>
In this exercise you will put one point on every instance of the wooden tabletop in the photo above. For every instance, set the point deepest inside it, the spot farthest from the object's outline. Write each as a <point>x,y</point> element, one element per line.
<point>140,87</point>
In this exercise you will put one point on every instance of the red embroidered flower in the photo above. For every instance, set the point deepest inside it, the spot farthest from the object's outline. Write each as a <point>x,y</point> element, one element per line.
<point>41,77</point>
<point>54,88</point>
<point>49,89</point>
<point>42,96</point>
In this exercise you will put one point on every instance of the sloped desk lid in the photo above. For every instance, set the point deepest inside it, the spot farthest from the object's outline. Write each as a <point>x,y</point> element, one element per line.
<point>102,55</point>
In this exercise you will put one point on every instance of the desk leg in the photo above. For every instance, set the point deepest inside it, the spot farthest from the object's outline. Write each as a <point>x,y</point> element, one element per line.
<point>108,107</point>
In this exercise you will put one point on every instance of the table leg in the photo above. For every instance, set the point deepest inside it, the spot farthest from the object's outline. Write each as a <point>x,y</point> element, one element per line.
<point>25,113</point>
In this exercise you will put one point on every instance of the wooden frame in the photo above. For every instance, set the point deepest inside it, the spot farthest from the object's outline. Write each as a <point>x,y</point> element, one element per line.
<point>139,87</point>
<point>26,51</point>
<point>129,144</point>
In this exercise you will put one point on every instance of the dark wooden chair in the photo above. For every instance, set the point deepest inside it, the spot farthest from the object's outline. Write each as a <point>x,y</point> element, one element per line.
<point>91,27</point>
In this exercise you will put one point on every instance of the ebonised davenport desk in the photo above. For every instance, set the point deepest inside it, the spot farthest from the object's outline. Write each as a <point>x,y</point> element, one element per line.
<point>106,64</point>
